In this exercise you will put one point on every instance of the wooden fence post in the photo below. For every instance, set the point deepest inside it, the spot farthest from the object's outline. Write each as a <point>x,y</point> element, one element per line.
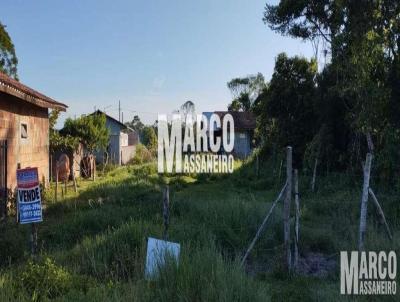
<point>166,212</point>
<point>286,209</point>
<point>370,143</point>
<point>93,168</point>
<point>51,170</point>
<point>56,191</point>
<point>314,175</point>
<point>280,170</point>
<point>380,213</point>
<point>257,166</point>
<point>74,180</point>
<point>262,226</point>
<point>297,227</point>
<point>364,202</point>
<point>34,239</point>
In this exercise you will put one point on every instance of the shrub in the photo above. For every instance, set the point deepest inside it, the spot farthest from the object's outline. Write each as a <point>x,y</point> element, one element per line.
<point>142,155</point>
<point>45,280</point>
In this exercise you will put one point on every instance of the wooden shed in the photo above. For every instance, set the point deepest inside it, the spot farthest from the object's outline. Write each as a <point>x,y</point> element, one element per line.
<point>245,123</point>
<point>24,131</point>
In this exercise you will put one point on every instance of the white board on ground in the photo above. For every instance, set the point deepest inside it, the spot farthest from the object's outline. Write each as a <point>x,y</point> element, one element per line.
<point>157,251</point>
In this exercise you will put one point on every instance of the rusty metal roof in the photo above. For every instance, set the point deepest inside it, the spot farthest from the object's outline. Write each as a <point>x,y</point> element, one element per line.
<point>12,87</point>
<point>242,120</point>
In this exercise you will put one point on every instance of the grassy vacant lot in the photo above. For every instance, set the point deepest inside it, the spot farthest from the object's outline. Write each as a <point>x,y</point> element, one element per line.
<point>93,244</point>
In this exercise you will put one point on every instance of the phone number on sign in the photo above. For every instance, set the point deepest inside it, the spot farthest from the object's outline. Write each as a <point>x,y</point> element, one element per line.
<point>31,214</point>
<point>30,207</point>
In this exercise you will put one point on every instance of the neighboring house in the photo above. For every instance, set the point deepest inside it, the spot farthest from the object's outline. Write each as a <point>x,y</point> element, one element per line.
<point>133,137</point>
<point>120,152</point>
<point>24,131</point>
<point>244,123</point>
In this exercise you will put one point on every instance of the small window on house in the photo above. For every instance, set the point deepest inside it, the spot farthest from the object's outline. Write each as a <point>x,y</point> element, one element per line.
<point>24,130</point>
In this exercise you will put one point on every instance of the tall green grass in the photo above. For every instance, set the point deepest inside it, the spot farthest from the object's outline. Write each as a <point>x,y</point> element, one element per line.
<point>93,244</point>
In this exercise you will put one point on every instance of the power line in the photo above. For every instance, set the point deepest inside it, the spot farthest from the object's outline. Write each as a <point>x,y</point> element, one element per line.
<point>144,112</point>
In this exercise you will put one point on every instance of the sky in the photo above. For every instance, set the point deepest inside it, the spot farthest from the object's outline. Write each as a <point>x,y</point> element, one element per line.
<point>152,56</point>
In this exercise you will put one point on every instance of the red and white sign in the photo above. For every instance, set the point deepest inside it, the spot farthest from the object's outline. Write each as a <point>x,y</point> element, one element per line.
<point>29,197</point>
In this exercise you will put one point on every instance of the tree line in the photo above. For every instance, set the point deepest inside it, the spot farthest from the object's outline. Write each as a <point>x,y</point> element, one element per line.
<point>335,112</point>
<point>341,110</point>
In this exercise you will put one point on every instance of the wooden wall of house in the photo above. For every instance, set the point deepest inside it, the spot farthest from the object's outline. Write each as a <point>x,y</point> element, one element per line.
<point>32,151</point>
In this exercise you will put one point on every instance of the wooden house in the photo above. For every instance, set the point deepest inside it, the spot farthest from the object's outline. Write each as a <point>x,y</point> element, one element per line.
<point>24,131</point>
<point>244,125</point>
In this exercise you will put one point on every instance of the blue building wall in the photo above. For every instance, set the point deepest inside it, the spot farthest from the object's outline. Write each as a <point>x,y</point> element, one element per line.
<point>243,139</point>
<point>242,146</point>
<point>114,150</point>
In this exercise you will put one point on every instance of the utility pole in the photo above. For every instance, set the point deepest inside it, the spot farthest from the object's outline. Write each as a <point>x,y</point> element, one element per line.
<point>122,114</point>
<point>119,111</point>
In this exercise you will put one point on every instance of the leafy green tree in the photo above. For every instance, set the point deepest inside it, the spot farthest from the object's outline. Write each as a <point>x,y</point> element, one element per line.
<point>364,45</point>
<point>8,58</point>
<point>91,131</point>
<point>149,138</point>
<point>241,103</point>
<point>58,141</point>
<point>245,91</point>
<point>307,19</point>
<point>187,108</point>
<point>287,107</point>
<point>358,92</point>
<point>136,124</point>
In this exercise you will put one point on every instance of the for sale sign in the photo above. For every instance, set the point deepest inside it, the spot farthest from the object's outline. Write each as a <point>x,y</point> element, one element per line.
<point>29,199</point>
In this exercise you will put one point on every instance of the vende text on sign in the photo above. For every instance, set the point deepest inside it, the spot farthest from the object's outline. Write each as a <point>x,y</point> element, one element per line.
<point>29,198</point>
